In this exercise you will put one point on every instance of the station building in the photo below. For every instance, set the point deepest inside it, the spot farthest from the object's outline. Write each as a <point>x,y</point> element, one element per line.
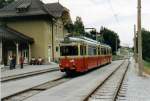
<point>33,29</point>
<point>15,44</point>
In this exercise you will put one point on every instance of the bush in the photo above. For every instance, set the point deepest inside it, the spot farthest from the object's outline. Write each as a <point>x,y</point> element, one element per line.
<point>146,44</point>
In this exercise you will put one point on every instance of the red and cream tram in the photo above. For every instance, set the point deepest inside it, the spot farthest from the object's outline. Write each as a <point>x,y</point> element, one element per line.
<point>80,54</point>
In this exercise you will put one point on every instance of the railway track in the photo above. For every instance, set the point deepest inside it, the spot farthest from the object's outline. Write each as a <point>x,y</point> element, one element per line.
<point>112,94</point>
<point>24,75</point>
<point>20,96</point>
<point>110,88</point>
<point>121,94</point>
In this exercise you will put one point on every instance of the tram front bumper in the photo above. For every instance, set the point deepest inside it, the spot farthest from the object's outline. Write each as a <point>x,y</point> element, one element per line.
<point>67,67</point>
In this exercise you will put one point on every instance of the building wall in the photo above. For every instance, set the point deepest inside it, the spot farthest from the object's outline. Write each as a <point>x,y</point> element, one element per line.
<point>37,29</point>
<point>48,40</point>
<point>59,34</point>
<point>41,32</point>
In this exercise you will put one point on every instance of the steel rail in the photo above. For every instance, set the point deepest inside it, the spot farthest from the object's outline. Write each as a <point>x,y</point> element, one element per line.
<point>103,82</point>
<point>121,83</point>
<point>38,88</point>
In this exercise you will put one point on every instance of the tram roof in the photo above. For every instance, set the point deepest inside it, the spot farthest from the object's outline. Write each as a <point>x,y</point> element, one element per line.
<point>92,42</point>
<point>87,41</point>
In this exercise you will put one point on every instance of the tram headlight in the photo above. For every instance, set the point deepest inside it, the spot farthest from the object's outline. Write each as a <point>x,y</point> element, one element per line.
<point>72,60</point>
<point>60,65</point>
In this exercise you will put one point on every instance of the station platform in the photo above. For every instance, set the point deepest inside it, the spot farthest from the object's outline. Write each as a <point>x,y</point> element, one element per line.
<point>6,72</point>
<point>138,87</point>
<point>9,88</point>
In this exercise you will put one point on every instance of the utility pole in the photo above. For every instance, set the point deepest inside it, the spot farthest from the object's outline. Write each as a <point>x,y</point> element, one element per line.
<point>135,44</point>
<point>140,60</point>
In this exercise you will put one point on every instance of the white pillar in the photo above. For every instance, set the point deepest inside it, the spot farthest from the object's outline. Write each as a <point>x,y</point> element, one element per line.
<point>17,53</point>
<point>29,53</point>
<point>1,48</point>
<point>49,53</point>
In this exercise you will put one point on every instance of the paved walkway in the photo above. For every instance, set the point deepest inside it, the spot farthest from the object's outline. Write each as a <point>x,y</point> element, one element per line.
<point>27,68</point>
<point>16,86</point>
<point>138,87</point>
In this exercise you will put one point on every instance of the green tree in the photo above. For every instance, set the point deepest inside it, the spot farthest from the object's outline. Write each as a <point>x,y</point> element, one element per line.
<point>146,44</point>
<point>79,26</point>
<point>111,38</point>
<point>5,2</point>
<point>2,3</point>
<point>70,28</point>
<point>93,34</point>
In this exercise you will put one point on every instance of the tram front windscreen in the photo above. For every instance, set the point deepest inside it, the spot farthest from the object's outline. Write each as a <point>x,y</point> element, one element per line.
<point>68,50</point>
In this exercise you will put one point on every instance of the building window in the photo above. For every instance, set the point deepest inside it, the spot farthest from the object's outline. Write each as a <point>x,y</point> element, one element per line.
<point>57,49</point>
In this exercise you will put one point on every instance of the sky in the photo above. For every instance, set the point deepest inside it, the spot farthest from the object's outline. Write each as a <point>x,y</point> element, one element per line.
<point>117,15</point>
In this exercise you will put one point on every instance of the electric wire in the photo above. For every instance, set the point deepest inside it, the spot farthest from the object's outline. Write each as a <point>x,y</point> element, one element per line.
<point>113,11</point>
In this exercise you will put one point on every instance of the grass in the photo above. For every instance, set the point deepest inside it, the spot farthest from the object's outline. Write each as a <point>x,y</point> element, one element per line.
<point>117,57</point>
<point>147,64</point>
<point>147,67</point>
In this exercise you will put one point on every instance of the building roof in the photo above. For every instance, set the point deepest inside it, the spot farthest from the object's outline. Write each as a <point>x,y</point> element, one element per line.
<point>10,34</point>
<point>21,8</point>
<point>55,9</point>
<point>33,7</point>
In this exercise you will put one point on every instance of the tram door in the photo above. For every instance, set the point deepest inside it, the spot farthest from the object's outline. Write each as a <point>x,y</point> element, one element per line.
<point>83,54</point>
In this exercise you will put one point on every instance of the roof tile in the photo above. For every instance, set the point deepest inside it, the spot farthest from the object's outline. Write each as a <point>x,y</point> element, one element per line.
<point>34,7</point>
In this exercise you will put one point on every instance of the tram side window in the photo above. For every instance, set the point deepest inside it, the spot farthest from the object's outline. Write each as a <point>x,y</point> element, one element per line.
<point>106,51</point>
<point>91,50</point>
<point>68,50</point>
<point>103,51</point>
<point>110,51</point>
<point>82,50</point>
<point>99,51</point>
<point>94,51</point>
